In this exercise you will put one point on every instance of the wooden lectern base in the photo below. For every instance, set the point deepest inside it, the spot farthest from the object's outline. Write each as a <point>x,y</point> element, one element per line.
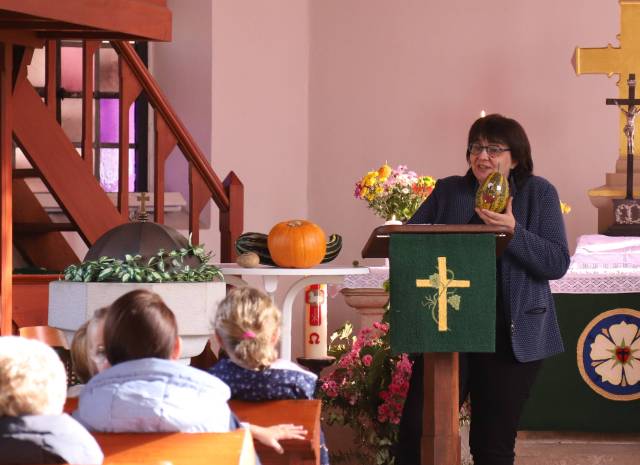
<point>440,417</point>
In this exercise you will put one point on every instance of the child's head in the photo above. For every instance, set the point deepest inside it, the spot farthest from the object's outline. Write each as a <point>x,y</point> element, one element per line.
<point>247,325</point>
<point>87,347</point>
<point>140,325</point>
<point>33,380</point>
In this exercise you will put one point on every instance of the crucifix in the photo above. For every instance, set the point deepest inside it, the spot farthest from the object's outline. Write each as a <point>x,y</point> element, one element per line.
<point>629,126</point>
<point>618,212</point>
<point>143,198</point>
<point>443,284</point>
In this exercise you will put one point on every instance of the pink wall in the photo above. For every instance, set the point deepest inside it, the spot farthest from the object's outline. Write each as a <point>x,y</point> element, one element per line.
<point>306,96</point>
<point>402,81</point>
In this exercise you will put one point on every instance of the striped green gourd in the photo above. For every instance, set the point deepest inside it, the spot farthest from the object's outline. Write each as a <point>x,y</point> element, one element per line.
<point>257,243</point>
<point>493,194</point>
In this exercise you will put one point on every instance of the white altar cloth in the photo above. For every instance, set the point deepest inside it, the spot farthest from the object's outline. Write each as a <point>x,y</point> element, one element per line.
<point>600,265</point>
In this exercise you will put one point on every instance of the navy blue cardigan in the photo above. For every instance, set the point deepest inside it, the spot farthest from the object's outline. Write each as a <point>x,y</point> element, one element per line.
<point>537,253</point>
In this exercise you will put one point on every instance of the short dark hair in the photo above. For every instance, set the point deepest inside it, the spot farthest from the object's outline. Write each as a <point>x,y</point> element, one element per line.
<point>139,325</point>
<point>497,128</point>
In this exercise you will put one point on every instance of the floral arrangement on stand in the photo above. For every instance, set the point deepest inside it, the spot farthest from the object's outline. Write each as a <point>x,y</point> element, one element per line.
<point>394,193</point>
<point>366,391</point>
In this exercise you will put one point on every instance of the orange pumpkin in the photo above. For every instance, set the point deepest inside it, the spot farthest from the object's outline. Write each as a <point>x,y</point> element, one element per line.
<point>297,244</point>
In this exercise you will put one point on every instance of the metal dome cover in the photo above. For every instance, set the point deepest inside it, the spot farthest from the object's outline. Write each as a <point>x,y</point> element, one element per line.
<point>137,238</point>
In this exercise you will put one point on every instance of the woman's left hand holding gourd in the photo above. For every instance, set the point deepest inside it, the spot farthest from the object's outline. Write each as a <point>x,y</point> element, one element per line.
<point>499,219</point>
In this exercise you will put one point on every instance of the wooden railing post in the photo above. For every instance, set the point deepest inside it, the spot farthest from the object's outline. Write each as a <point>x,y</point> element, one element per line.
<point>6,192</point>
<point>165,142</point>
<point>129,90</point>
<point>51,82</point>
<point>231,221</point>
<point>89,48</point>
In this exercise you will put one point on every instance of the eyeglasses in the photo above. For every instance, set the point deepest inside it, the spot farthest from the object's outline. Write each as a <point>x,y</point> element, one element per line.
<point>492,150</point>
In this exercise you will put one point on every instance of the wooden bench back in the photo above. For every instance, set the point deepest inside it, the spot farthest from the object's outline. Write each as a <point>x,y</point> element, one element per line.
<point>233,448</point>
<point>298,412</point>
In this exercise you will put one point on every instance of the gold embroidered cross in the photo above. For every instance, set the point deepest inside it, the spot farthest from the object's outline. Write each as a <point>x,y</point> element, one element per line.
<point>443,285</point>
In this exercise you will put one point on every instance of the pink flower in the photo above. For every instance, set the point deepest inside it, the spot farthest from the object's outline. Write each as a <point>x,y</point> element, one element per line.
<point>366,360</point>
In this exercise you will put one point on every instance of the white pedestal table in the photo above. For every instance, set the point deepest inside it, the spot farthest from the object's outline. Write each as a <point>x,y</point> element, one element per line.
<point>321,274</point>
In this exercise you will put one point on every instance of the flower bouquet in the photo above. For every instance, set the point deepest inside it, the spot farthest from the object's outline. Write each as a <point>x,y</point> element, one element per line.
<point>366,391</point>
<point>394,193</point>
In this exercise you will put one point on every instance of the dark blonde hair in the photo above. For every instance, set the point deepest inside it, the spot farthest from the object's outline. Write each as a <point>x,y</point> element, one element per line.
<point>139,325</point>
<point>246,322</point>
<point>83,366</point>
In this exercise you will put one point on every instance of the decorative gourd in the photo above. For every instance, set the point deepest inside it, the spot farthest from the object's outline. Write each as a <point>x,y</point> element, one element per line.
<point>257,242</point>
<point>248,260</point>
<point>296,244</point>
<point>493,194</point>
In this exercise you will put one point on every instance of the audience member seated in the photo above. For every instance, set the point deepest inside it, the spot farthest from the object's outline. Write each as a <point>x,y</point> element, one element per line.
<point>247,327</point>
<point>33,428</point>
<point>146,389</point>
<point>87,351</point>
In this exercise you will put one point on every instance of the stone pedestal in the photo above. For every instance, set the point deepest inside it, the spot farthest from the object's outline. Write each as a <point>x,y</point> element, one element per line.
<point>368,302</point>
<point>615,187</point>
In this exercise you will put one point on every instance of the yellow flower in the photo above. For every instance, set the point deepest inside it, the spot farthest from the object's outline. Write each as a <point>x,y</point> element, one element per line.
<point>384,171</point>
<point>565,208</point>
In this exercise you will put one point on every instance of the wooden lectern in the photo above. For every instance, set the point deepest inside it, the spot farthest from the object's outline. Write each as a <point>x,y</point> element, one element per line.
<point>440,444</point>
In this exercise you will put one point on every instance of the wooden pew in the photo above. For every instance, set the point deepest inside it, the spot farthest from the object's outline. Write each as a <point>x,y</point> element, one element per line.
<point>233,448</point>
<point>298,412</point>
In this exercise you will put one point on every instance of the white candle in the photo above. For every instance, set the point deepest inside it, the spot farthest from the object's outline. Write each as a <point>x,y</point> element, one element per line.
<point>483,113</point>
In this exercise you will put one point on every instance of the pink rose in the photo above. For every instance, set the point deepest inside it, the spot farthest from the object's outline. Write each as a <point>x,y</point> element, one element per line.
<point>367,359</point>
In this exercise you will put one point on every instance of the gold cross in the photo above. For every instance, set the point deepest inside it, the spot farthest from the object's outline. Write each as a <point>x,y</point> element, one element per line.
<point>443,285</point>
<point>620,60</point>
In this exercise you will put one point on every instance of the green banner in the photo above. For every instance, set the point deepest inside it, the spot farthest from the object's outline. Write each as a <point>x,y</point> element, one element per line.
<point>443,292</point>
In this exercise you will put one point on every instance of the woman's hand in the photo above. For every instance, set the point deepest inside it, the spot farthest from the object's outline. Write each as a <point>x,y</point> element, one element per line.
<point>498,219</point>
<point>270,435</point>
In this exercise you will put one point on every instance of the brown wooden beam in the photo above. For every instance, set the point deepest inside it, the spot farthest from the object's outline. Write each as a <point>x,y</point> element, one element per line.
<point>64,172</point>
<point>43,246</point>
<point>89,48</point>
<point>6,193</point>
<point>22,173</point>
<point>160,104</point>
<point>136,18</point>
<point>129,91</point>
<point>440,418</point>
<point>50,76</point>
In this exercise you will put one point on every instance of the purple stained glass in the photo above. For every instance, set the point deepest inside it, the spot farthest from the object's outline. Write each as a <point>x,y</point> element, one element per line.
<point>109,130</point>
<point>109,170</point>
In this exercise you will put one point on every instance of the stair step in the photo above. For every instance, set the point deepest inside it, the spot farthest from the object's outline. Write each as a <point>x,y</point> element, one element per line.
<point>39,228</point>
<point>21,173</point>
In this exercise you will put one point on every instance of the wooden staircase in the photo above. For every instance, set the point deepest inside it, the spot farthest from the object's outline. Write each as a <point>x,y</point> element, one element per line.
<point>31,123</point>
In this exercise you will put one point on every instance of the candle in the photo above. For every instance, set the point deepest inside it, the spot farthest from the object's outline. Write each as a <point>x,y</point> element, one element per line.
<point>482,114</point>
<point>315,324</point>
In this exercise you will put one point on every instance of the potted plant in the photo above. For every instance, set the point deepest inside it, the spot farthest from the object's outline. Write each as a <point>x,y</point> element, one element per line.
<point>192,292</point>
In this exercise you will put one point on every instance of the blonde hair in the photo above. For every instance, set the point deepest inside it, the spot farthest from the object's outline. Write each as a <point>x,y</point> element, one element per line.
<point>33,380</point>
<point>247,323</point>
<point>83,364</point>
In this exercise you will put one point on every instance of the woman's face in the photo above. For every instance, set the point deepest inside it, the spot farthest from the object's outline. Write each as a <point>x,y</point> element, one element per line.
<point>486,157</point>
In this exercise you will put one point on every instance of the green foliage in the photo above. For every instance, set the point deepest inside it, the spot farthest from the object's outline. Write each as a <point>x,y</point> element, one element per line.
<point>162,267</point>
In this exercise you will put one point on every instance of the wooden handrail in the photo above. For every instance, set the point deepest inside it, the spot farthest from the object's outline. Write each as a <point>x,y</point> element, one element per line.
<point>159,102</point>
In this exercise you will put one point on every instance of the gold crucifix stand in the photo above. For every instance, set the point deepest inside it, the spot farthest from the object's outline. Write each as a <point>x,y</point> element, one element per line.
<point>443,284</point>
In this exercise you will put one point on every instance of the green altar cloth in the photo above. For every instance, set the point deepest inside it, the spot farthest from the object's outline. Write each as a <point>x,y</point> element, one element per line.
<point>561,400</point>
<point>442,292</point>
